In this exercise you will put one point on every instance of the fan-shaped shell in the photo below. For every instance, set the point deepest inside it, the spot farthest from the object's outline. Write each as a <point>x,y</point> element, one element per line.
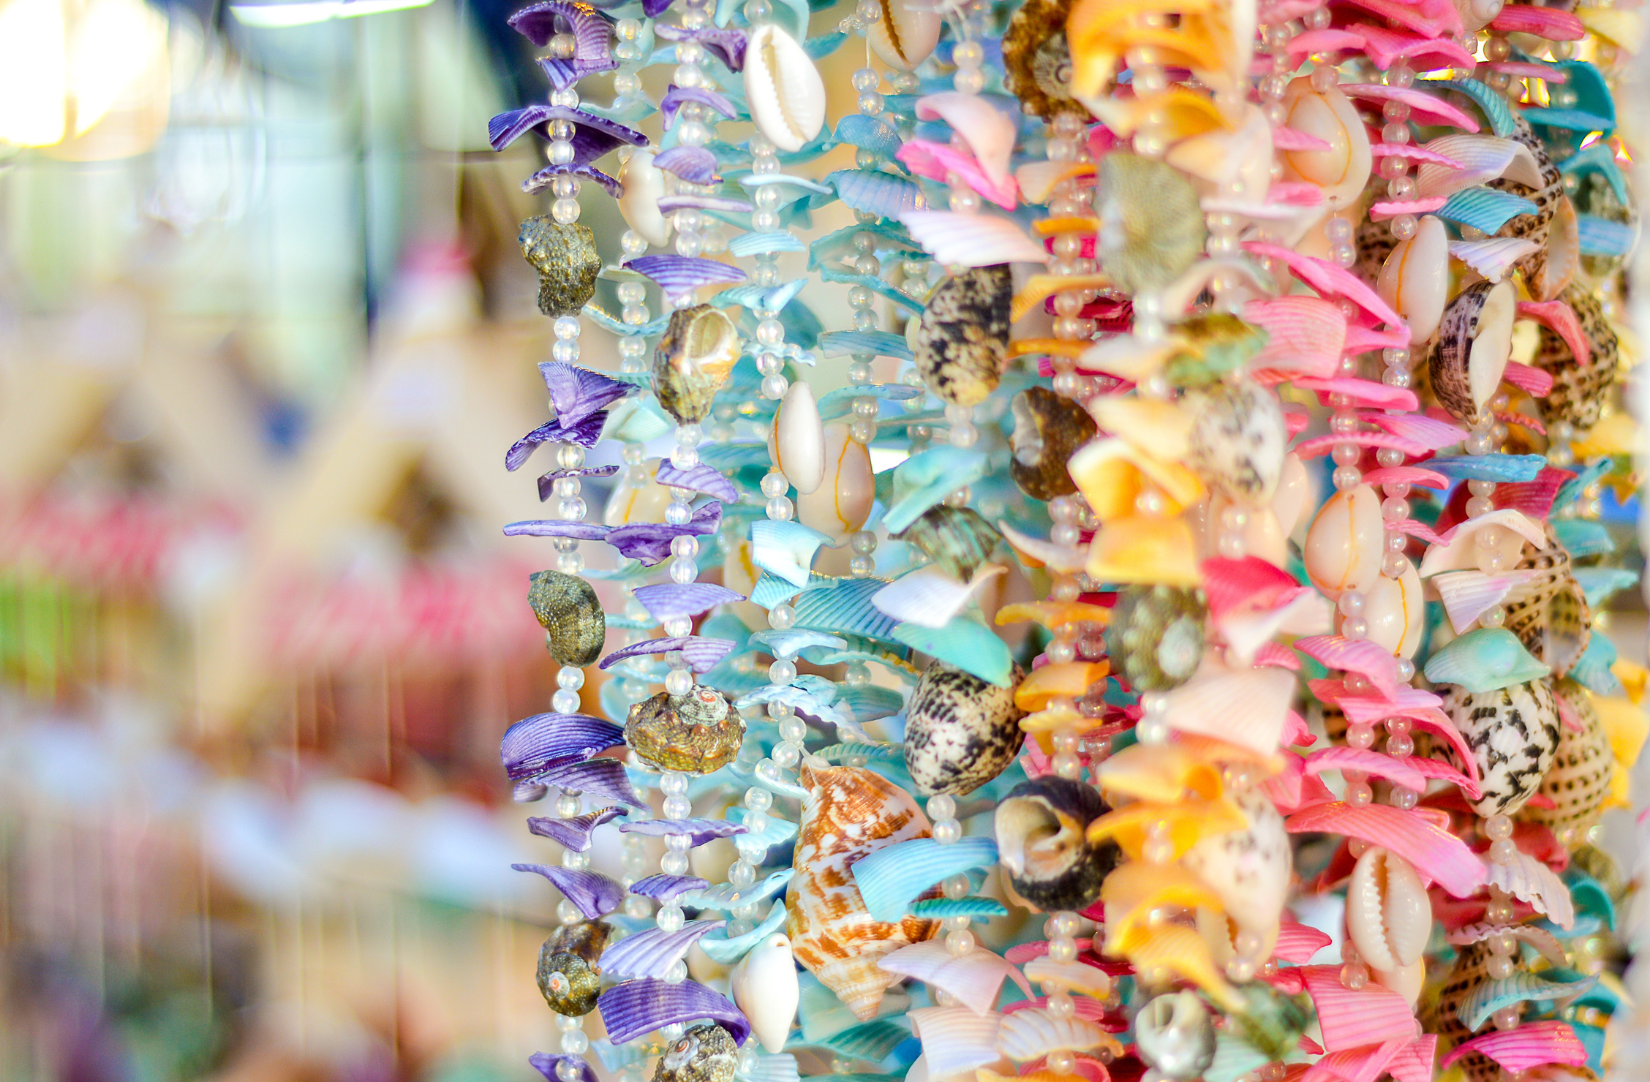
<point>782,88</point>
<point>1388,913</point>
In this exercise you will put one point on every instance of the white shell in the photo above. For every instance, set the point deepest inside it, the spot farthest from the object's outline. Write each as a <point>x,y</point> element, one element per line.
<point>972,240</point>
<point>630,502</point>
<point>1415,278</point>
<point>643,184</point>
<point>1388,913</point>
<point>842,502</point>
<point>1407,981</point>
<point>1329,115</point>
<point>906,34</point>
<point>1395,612</point>
<point>765,987</point>
<point>1249,869</point>
<point>1294,487</point>
<point>783,88</point>
<point>1347,541</point>
<point>988,131</point>
<point>796,443</point>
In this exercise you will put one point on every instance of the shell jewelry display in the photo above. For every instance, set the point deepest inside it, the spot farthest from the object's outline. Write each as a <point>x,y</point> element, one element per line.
<point>1126,604</point>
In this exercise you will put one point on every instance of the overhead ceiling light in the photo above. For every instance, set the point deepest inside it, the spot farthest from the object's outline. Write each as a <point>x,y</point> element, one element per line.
<point>305,12</point>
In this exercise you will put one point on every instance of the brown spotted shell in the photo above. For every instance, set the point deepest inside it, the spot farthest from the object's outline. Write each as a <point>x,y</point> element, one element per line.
<point>1450,359</point>
<point>960,731</point>
<point>1552,227</point>
<point>692,361</point>
<point>1549,614</point>
<point>694,733</point>
<point>1441,1016</point>
<point>1513,733</point>
<point>1048,429</point>
<point>568,974</point>
<point>1579,391</point>
<point>705,1053</point>
<point>1239,439</point>
<point>962,337</point>
<point>1578,782</point>
<point>575,628</point>
<point>567,261</point>
<point>1037,59</point>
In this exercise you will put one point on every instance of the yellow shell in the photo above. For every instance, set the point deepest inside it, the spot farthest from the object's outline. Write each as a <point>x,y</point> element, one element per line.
<point>1069,678</point>
<point>1145,549</point>
<point>1135,889</point>
<point>1112,473</point>
<point>1183,824</point>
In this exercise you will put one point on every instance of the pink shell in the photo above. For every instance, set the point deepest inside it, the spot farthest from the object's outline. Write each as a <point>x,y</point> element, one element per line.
<point>1360,339</point>
<point>934,160</point>
<point>1413,17</point>
<point>1272,653</point>
<point>1295,420</point>
<point>1247,581</point>
<point>1530,1045</point>
<point>1533,498</point>
<point>1512,417</point>
<point>1437,771</point>
<point>1319,445</point>
<point>1363,392</point>
<point>1385,46</point>
<point>1413,152</point>
<point>1294,194</point>
<point>1022,953</point>
<point>1430,432</point>
<point>1380,212</point>
<point>1416,528</point>
<point>1535,382</point>
<point>1364,761</point>
<point>1423,107</point>
<point>1355,1064</point>
<point>1362,656</point>
<point>1287,787</point>
<point>1351,1020</point>
<point>1325,41</point>
<point>1414,1062</point>
<point>1297,943</point>
<point>1329,279</point>
<point>1550,23</point>
<point>1560,318</point>
<point>1434,852</point>
<point>1290,139</point>
<point>1407,475</point>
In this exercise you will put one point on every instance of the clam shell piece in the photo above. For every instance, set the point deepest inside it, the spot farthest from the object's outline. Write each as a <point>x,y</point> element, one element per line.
<point>565,257</point>
<point>575,627</point>
<point>1578,782</point>
<point>1037,59</point>
<point>783,88</point>
<point>1414,280</point>
<point>1238,440</point>
<point>842,502</point>
<point>962,336</point>
<point>692,361</point>
<point>644,186</point>
<point>1340,170</point>
<point>568,976</point>
<point>705,1053</point>
<point>960,732</point>
<point>1041,840</point>
<point>1151,224</point>
<point>796,442</point>
<point>765,987</point>
<point>1549,612</point>
<point>694,733</point>
<point>906,34</point>
<point>1579,391</point>
<point>849,813</point>
<point>1513,733</point>
<point>1474,343</point>
<point>1048,430</point>
<point>1155,637</point>
<point>1175,1035</point>
<point>1346,542</point>
<point>1388,913</point>
<point>1250,868</point>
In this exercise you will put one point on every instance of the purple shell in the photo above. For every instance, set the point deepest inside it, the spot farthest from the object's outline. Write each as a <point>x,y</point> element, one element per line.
<point>678,96</point>
<point>592,38</point>
<point>668,203</point>
<point>665,887</point>
<point>700,830</point>
<point>649,542</point>
<point>546,1062</point>
<point>547,481</point>
<point>652,953</point>
<point>727,45</point>
<point>539,181</point>
<point>669,600</point>
<point>701,654</point>
<point>572,833</point>
<point>584,432</point>
<point>577,393</point>
<point>696,165</point>
<point>603,779</point>
<point>545,740</point>
<point>555,527</point>
<point>682,273</point>
<point>595,894</point>
<point>654,8</point>
<point>637,1008</point>
<point>593,136</point>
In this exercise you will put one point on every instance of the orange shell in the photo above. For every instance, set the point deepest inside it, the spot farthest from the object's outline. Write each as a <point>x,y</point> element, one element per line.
<point>1137,888</point>
<point>1045,723</point>
<point>1053,614</point>
<point>1145,549</point>
<point>1182,952</point>
<point>1070,678</point>
<point>1039,287</point>
<point>1112,473</point>
<point>1186,823</point>
<point>1054,347</point>
<point>1160,772</point>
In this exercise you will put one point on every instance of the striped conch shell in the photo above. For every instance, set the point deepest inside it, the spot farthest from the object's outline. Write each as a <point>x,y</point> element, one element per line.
<point>1553,227</point>
<point>849,814</point>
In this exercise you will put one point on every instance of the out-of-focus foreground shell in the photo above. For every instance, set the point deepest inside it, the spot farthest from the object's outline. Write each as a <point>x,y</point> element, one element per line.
<point>1048,430</point>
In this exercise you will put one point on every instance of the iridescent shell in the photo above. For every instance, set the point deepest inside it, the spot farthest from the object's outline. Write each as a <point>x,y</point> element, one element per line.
<point>1041,829</point>
<point>1578,782</point>
<point>957,539</point>
<point>1238,439</point>
<point>849,813</point>
<point>1549,614</point>
<point>960,731</point>
<point>692,361</point>
<point>567,261</point>
<point>1037,59</point>
<point>1579,391</point>
<point>1048,430</point>
<point>568,975</point>
<point>1175,1035</point>
<point>705,1053</point>
<point>1155,637</point>
<point>962,337</point>
<point>1513,733</point>
<point>575,627</point>
<point>694,733</point>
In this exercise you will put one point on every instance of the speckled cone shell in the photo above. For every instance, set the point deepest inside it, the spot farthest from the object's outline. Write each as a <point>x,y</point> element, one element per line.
<point>962,336</point>
<point>567,261</point>
<point>694,733</point>
<point>693,360</point>
<point>1549,614</point>
<point>1513,733</point>
<point>849,814</point>
<point>1537,227</point>
<point>568,976</point>
<point>960,731</point>
<point>1048,430</point>
<point>705,1053</point>
<point>568,609</point>
<point>1579,391</point>
<point>1470,972</point>
<point>1578,782</point>
<point>1249,869</point>
<point>1475,311</point>
<point>1037,59</point>
<point>1238,440</point>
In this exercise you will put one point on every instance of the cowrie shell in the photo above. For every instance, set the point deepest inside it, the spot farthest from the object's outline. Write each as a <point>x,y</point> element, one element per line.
<point>905,36</point>
<point>797,441</point>
<point>1388,913</point>
<point>643,184</point>
<point>1415,278</point>
<point>783,88</point>
<point>764,985</point>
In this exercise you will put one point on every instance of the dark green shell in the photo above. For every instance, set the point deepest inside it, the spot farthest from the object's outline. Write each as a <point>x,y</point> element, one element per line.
<point>575,628</point>
<point>956,539</point>
<point>1155,638</point>
<point>705,1053</point>
<point>693,360</point>
<point>565,257</point>
<point>694,733</point>
<point>568,974</point>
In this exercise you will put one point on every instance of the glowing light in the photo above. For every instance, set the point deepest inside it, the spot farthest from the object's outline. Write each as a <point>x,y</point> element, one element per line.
<point>34,73</point>
<point>277,16</point>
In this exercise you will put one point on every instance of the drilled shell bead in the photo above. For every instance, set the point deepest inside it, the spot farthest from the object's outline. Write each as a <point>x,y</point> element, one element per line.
<point>568,976</point>
<point>783,88</point>
<point>1342,169</point>
<point>693,360</point>
<point>575,628</point>
<point>796,442</point>
<point>1041,830</point>
<point>842,503</point>
<point>1388,913</point>
<point>1414,280</point>
<point>1155,636</point>
<point>1238,440</point>
<point>694,733</point>
<point>705,1053</point>
<point>1347,542</point>
<point>960,731</point>
<point>1513,733</point>
<point>1048,430</point>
